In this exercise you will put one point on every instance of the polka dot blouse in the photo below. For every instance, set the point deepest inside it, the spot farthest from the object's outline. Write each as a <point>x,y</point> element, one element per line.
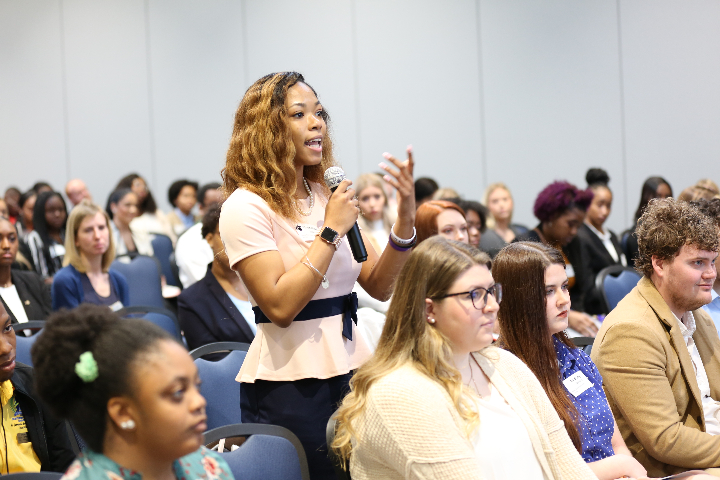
<point>596,424</point>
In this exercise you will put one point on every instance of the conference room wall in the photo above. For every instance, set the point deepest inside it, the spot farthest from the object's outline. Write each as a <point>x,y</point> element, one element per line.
<point>485,90</point>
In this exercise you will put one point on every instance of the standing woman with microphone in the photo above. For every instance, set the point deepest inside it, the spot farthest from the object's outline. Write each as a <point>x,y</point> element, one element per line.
<point>285,234</point>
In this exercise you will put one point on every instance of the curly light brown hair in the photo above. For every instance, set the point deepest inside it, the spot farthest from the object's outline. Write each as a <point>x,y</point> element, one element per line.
<point>668,224</point>
<point>261,154</point>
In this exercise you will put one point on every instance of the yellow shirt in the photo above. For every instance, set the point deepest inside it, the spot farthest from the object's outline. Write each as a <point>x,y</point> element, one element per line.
<point>20,454</point>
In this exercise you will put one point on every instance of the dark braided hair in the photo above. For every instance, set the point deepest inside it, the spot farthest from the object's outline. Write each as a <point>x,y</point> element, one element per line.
<point>116,344</point>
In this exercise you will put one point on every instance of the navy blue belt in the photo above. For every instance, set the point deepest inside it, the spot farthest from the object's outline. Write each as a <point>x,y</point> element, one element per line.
<point>347,305</point>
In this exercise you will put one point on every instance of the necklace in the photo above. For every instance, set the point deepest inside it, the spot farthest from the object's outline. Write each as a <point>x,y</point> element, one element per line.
<point>312,200</point>
<point>472,379</point>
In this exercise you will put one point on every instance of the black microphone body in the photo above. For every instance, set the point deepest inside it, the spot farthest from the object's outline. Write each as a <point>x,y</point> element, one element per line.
<point>333,177</point>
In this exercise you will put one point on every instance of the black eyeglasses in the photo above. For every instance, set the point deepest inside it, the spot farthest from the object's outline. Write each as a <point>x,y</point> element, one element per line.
<point>479,299</point>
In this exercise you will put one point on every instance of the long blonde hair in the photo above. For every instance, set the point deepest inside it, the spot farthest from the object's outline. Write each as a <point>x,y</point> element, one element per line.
<point>373,180</point>
<point>261,156</point>
<point>490,223</point>
<point>79,213</point>
<point>430,271</point>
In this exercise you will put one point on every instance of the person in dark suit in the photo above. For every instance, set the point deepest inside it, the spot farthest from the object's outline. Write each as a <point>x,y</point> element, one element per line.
<point>601,247</point>
<point>23,293</point>
<point>216,309</point>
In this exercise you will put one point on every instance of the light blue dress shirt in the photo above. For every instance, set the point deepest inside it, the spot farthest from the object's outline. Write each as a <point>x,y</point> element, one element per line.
<point>713,308</point>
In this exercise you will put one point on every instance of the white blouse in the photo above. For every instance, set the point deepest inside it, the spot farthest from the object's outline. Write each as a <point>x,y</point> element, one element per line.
<point>502,443</point>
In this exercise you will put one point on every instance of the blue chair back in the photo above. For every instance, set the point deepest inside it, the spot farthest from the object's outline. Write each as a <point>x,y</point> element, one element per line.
<point>163,248</point>
<point>270,453</point>
<point>219,387</point>
<point>162,317</point>
<point>615,282</point>
<point>23,344</point>
<point>143,276</point>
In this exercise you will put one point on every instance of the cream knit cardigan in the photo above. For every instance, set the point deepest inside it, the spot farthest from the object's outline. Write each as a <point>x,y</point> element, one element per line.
<point>410,428</point>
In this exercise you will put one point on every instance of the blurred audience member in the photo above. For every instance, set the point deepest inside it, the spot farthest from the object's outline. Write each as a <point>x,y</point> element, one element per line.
<point>192,252</point>
<point>654,187</point>
<point>441,217</point>
<point>561,208</point>
<point>89,251</point>
<point>24,294</point>
<point>657,349</point>
<point>4,211</point>
<point>216,308</point>
<point>436,400</point>
<point>600,245</point>
<point>76,191</point>
<point>12,199</point>
<point>33,440</point>
<point>501,230</point>
<point>41,187</point>
<point>445,193</point>
<point>27,206</point>
<point>476,217</point>
<point>122,208</point>
<point>45,245</point>
<point>182,195</point>
<point>375,218</point>
<point>425,187</point>
<point>149,219</point>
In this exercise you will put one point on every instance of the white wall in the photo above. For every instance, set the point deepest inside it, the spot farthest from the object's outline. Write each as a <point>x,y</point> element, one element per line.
<point>485,90</point>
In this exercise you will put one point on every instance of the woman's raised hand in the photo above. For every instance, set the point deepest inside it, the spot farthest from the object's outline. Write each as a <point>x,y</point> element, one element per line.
<point>403,181</point>
<point>342,208</point>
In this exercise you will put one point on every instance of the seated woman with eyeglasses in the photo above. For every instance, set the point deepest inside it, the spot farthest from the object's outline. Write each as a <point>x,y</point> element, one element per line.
<point>532,320</point>
<point>437,400</point>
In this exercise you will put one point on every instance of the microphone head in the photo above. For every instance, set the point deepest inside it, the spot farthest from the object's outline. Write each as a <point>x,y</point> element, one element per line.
<point>333,177</point>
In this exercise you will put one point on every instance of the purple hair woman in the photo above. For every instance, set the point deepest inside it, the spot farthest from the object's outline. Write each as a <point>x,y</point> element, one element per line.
<point>561,209</point>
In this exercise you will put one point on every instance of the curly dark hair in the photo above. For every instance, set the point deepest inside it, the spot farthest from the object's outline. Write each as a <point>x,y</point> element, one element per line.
<point>597,177</point>
<point>116,344</point>
<point>261,153</point>
<point>176,188</point>
<point>668,224</point>
<point>559,197</point>
<point>210,220</point>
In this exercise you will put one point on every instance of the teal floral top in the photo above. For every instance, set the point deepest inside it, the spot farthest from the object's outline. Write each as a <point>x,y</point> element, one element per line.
<point>200,465</point>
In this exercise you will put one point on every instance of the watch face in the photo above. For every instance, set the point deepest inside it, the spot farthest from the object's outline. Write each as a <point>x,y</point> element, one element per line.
<point>329,234</point>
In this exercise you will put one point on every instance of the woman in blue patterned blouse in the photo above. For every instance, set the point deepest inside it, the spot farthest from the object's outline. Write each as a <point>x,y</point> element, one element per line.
<point>532,318</point>
<point>132,393</point>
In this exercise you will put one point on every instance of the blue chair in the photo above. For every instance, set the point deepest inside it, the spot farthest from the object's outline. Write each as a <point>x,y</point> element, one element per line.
<point>162,317</point>
<point>163,248</point>
<point>270,453</point>
<point>143,276</point>
<point>614,283</point>
<point>23,344</point>
<point>585,343</point>
<point>219,387</point>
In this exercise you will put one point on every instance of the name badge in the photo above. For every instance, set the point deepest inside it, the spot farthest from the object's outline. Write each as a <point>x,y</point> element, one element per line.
<point>116,306</point>
<point>577,384</point>
<point>307,232</point>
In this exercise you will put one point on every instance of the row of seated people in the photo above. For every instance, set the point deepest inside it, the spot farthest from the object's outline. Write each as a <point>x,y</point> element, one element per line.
<point>534,396</point>
<point>434,364</point>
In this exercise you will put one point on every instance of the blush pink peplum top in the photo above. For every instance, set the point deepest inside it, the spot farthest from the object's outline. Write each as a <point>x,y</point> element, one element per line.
<point>305,349</point>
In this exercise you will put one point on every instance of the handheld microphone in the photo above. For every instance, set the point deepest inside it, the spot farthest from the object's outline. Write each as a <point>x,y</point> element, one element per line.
<point>333,177</point>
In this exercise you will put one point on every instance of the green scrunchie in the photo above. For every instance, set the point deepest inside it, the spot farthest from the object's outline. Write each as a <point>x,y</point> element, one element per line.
<point>87,368</point>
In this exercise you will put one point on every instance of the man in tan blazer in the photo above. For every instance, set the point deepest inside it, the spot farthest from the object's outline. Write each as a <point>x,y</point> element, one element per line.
<point>659,352</point>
